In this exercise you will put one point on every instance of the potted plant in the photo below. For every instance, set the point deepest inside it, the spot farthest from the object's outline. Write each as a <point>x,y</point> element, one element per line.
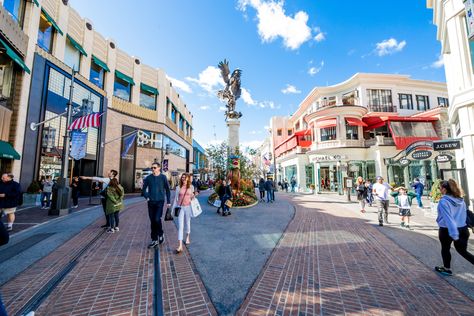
<point>33,194</point>
<point>435,196</point>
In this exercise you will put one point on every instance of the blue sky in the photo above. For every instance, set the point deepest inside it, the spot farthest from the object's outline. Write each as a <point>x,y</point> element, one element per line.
<point>285,48</point>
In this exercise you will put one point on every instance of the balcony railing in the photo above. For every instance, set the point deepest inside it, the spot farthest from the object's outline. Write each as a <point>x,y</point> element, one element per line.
<point>382,108</point>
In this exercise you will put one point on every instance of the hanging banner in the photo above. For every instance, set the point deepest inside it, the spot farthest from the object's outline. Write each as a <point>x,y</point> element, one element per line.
<point>165,165</point>
<point>128,143</point>
<point>469,7</point>
<point>78,145</point>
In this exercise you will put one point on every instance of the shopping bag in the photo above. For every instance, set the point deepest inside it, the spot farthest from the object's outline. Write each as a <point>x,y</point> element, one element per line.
<point>228,203</point>
<point>217,203</point>
<point>168,216</point>
<point>196,209</point>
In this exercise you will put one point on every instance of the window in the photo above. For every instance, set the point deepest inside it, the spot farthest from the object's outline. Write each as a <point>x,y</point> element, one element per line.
<point>297,126</point>
<point>279,132</point>
<point>122,89</point>
<point>380,100</point>
<point>457,128</point>
<point>413,129</point>
<point>173,114</point>
<point>422,102</point>
<point>6,80</point>
<point>181,123</point>
<point>72,57</point>
<point>147,99</point>
<point>352,132</point>
<point>328,133</point>
<point>406,101</point>
<point>443,102</point>
<point>45,34</point>
<point>16,8</point>
<point>97,75</point>
<point>290,132</point>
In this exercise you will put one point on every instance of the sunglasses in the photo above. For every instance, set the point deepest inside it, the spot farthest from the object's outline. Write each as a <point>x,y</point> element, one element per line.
<point>154,167</point>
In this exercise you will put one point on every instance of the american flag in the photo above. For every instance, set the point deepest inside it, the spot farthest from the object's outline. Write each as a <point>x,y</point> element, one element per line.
<point>91,120</point>
<point>266,161</point>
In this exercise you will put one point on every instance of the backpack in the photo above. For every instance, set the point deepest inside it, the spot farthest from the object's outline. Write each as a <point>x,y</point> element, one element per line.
<point>470,219</point>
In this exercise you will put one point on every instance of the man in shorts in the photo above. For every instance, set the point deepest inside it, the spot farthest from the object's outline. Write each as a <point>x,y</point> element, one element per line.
<point>10,194</point>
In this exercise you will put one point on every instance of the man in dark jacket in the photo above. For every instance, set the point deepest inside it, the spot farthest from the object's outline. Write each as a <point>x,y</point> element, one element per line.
<point>269,188</point>
<point>155,189</point>
<point>419,187</point>
<point>10,194</point>
<point>4,238</point>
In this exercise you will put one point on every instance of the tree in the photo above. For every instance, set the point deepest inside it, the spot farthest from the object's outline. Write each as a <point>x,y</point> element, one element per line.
<point>217,155</point>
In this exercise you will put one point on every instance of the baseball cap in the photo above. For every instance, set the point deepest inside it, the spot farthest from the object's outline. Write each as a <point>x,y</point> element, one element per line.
<point>379,178</point>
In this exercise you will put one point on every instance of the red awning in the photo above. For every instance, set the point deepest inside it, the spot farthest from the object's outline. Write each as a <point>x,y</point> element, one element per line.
<point>303,132</point>
<point>352,121</point>
<point>326,123</point>
<point>379,121</point>
<point>403,135</point>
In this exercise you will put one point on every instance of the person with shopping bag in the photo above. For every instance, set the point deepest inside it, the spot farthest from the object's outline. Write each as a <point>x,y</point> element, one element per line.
<point>182,209</point>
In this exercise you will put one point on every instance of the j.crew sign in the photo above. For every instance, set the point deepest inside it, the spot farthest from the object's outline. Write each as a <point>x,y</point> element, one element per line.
<point>447,145</point>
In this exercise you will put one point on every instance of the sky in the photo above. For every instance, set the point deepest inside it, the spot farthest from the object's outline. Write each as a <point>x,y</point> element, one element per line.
<point>284,49</point>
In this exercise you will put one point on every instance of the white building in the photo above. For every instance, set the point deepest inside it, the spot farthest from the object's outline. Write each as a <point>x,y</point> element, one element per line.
<point>456,34</point>
<point>369,125</point>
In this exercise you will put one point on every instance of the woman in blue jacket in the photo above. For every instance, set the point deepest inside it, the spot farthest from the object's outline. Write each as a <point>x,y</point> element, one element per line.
<point>451,220</point>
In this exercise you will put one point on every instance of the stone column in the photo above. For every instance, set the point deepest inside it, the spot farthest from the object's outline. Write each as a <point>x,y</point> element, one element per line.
<point>434,170</point>
<point>233,126</point>
<point>390,174</point>
<point>406,176</point>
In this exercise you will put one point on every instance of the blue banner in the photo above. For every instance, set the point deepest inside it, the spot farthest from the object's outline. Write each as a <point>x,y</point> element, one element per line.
<point>78,145</point>
<point>128,143</point>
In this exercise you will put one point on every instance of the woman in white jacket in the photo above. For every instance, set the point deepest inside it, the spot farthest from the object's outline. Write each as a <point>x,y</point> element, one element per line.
<point>182,200</point>
<point>451,220</point>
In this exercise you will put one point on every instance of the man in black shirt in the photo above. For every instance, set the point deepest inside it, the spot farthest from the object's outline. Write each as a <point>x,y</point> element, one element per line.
<point>155,187</point>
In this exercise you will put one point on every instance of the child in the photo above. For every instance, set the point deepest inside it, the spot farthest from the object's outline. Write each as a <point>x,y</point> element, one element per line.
<point>404,205</point>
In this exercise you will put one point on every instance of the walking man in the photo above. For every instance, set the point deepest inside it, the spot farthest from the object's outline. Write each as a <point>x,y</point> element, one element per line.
<point>46,193</point>
<point>419,187</point>
<point>269,189</point>
<point>155,187</point>
<point>103,193</point>
<point>10,194</point>
<point>380,191</point>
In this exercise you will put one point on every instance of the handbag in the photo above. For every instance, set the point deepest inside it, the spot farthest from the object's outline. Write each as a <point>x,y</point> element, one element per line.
<point>168,216</point>
<point>217,203</point>
<point>196,209</point>
<point>228,203</point>
<point>177,209</point>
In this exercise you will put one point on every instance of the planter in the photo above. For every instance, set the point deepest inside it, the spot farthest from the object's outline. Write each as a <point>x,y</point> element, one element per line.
<point>30,199</point>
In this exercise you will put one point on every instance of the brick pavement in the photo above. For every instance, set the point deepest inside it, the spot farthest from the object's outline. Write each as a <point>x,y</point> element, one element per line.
<point>331,262</point>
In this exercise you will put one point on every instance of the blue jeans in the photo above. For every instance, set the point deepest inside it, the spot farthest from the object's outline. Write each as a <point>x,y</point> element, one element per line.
<point>46,195</point>
<point>270,196</point>
<point>418,198</point>
<point>3,311</point>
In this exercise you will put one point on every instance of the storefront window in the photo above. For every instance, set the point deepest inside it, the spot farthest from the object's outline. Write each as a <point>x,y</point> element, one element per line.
<point>45,34</point>
<point>352,132</point>
<point>147,100</point>
<point>122,89</point>
<point>290,173</point>
<point>328,133</point>
<point>16,8</point>
<point>6,79</point>
<point>97,75</point>
<point>72,57</point>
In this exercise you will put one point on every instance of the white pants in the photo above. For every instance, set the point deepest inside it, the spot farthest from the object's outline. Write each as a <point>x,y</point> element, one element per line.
<point>184,218</point>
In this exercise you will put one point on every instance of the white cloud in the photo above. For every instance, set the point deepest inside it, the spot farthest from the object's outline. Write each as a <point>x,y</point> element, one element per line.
<point>290,89</point>
<point>254,144</point>
<point>389,46</point>
<point>247,97</point>
<point>351,52</point>
<point>266,104</point>
<point>209,79</point>
<point>204,107</point>
<point>181,85</point>
<point>314,70</point>
<point>266,127</point>
<point>320,36</point>
<point>273,23</point>
<point>222,109</point>
<point>255,132</point>
<point>438,63</point>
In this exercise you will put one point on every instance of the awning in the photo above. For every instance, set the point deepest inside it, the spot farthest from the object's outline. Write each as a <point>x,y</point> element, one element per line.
<point>11,53</point>
<point>77,45</point>
<point>50,20</point>
<point>326,123</point>
<point>8,152</point>
<point>303,132</point>
<point>374,122</point>
<point>352,121</point>
<point>100,63</point>
<point>148,88</point>
<point>36,2</point>
<point>405,133</point>
<point>124,77</point>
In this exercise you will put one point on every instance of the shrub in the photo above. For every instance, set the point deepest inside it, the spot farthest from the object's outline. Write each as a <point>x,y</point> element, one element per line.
<point>34,187</point>
<point>435,192</point>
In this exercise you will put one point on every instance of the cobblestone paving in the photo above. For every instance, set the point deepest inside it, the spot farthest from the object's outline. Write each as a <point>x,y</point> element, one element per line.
<point>330,262</point>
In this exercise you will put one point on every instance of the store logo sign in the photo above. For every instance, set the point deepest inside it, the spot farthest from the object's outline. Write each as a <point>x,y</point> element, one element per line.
<point>421,154</point>
<point>447,145</point>
<point>444,158</point>
<point>404,161</point>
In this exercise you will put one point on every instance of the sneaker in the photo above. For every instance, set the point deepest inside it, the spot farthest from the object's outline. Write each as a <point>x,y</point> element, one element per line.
<point>75,206</point>
<point>444,271</point>
<point>110,230</point>
<point>161,239</point>
<point>380,223</point>
<point>9,228</point>
<point>104,226</point>
<point>116,229</point>
<point>402,225</point>
<point>407,227</point>
<point>153,244</point>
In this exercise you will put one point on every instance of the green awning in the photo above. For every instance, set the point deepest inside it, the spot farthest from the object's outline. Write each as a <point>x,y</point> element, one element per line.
<point>7,151</point>
<point>77,45</point>
<point>124,77</point>
<point>50,20</point>
<point>36,2</point>
<point>13,55</point>
<point>148,88</point>
<point>100,63</point>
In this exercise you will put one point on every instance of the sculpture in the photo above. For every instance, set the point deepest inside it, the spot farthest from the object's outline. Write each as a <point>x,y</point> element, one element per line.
<point>231,93</point>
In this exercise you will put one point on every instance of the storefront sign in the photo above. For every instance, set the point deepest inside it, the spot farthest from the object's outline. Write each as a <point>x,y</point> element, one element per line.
<point>419,144</point>
<point>447,145</point>
<point>78,145</point>
<point>421,154</point>
<point>469,7</point>
<point>443,158</point>
<point>404,161</point>
<point>320,158</point>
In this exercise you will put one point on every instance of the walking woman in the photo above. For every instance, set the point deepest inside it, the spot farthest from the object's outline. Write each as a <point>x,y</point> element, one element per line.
<point>182,201</point>
<point>362,190</point>
<point>114,204</point>
<point>75,192</point>
<point>452,225</point>
<point>261,189</point>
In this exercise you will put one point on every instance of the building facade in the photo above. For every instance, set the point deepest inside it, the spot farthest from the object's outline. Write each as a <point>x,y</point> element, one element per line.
<point>200,161</point>
<point>454,19</point>
<point>130,95</point>
<point>369,125</point>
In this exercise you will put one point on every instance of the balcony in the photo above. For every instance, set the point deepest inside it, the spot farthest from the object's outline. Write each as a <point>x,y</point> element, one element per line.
<point>338,143</point>
<point>380,140</point>
<point>382,108</point>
